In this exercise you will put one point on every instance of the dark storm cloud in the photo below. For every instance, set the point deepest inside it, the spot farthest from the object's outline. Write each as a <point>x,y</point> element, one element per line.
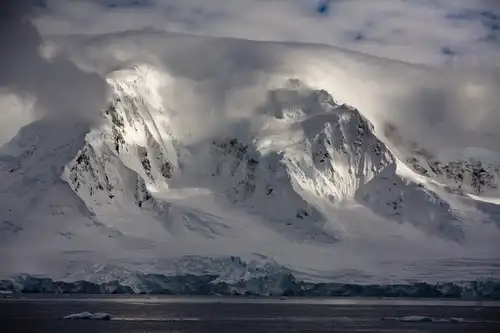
<point>59,87</point>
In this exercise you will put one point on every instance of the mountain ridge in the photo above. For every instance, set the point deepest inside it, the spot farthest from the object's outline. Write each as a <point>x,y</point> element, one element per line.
<point>307,170</point>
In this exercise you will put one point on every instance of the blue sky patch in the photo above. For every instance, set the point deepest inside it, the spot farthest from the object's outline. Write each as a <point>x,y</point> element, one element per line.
<point>447,51</point>
<point>40,3</point>
<point>490,20</point>
<point>323,7</point>
<point>126,3</point>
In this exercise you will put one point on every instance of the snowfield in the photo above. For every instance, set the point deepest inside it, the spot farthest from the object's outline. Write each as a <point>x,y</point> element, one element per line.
<point>246,160</point>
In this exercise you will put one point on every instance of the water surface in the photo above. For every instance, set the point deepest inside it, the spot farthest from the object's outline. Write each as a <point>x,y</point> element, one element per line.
<point>43,314</point>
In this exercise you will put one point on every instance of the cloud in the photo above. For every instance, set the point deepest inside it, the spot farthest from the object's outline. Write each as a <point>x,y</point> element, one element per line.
<point>460,35</point>
<point>16,111</point>
<point>224,80</point>
<point>56,88</point>
<point>437,32</point>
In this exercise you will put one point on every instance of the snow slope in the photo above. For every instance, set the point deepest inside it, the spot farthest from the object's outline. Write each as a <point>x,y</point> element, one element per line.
<point>188,167</point>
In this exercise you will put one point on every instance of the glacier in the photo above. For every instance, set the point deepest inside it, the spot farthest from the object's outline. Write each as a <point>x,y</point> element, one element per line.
<point>256,281</point>
<point>210,171</point>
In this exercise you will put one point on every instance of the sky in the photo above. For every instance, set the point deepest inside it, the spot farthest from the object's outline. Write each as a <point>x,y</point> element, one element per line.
<point>465,32</point>
<point>461,35</point>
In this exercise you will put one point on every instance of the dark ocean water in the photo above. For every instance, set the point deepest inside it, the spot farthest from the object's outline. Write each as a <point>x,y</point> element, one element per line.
<point>43,314</point>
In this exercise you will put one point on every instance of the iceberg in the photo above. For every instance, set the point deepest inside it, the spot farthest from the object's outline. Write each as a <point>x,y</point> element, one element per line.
<point>88,315</point>
<point>425,319</point>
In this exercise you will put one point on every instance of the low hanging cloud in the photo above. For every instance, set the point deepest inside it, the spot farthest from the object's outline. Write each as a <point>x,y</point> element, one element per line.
<point>223,80</point>
<point>16,110</point>
<point>32,87</point>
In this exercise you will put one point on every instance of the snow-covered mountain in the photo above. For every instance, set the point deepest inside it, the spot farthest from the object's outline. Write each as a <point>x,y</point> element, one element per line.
<point>319,153</point>
<point>303,185</point>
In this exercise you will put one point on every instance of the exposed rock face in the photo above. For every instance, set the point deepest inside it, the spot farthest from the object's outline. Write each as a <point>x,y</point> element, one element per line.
<point>466,174</point>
